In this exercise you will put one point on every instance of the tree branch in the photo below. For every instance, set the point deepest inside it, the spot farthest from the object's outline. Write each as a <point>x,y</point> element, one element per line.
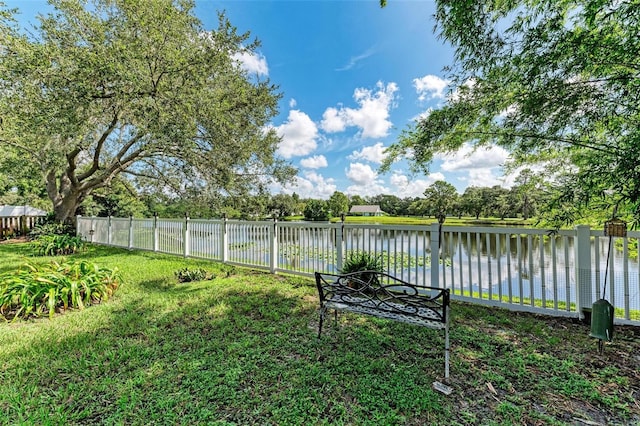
<point>96,155</point>
<point>71,161</point>
<point>547,138</point>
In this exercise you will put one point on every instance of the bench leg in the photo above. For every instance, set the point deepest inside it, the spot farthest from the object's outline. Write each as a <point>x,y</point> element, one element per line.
<point>323,312</point>
<point>446,350</point>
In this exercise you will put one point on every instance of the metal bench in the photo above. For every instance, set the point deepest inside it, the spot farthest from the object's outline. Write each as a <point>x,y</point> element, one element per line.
<point>385,296</point>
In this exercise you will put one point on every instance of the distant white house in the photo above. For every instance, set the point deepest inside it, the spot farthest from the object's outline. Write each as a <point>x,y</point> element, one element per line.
<point>366,210</point>
<point>17,211</point>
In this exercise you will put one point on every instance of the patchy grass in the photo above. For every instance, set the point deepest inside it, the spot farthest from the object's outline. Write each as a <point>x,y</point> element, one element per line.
<point>242,349</point>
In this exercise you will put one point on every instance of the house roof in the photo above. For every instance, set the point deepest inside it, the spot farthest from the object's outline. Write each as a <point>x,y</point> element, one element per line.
<point>365,209</point>
<point>15,211</point>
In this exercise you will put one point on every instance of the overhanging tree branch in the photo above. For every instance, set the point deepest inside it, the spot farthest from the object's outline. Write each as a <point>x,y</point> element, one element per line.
<point>613,150</point>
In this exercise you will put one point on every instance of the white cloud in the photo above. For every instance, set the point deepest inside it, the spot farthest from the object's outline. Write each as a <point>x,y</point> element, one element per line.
<point>483,177</point>
<point>464,90</point>
<point>423,115</point>
<point>365,181</point>
<point>332,121</point>
<point>466,158</point>
<point>310,185</point>
<point>369,189</point>
<point>253,63</point>
<point>298,135</point>
<point>405,187</point>
<point>483,166</point>
<point>372,116</point>
<point>315,162</point>
<point>430,87</point>
<point>361,174</point>
<point>374,153</point>
<point>353,61</point>
<point>292,103</point>
<point>510,110</point>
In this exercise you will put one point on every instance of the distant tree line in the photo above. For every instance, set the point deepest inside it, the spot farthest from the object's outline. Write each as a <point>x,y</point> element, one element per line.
<point>122,199</point>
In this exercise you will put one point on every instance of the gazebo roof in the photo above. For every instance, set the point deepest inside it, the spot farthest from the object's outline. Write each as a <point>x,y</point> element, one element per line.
<point>16,211</point>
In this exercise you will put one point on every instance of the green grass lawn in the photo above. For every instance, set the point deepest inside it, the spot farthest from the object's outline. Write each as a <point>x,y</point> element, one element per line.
<point>450,221</point>
<point>242,349</point>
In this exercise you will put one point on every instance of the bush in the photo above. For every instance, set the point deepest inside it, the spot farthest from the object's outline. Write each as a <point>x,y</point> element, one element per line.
<point>57,245</point>
<point>360,261</point>
<point>51,228</point>
<point>35,291</point>
<point>187,275</point>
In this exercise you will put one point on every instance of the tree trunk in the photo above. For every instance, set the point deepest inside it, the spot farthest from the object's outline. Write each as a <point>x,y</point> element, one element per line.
<point>65,198</point>
<point>66,208</point>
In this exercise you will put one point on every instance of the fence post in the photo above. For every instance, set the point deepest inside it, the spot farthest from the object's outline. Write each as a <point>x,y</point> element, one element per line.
<point>23,225</point>
<point>434,237</point>
<point>78,225</point>
<point>186,237</point>
<point>109,231</point>
<point>130,231</point>
<point>584,296</point>
<point>156,243</point>
<point>224,250</point>
<point>273,257</point>
<point>340,245</point>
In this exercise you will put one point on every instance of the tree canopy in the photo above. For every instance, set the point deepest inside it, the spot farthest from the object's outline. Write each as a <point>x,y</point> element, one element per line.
<point>557,83</point>
<point>441,198</point>
<point>107,87</point>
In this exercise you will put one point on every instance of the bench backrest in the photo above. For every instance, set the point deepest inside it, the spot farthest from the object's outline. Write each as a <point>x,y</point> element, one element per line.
<point>384,291</point>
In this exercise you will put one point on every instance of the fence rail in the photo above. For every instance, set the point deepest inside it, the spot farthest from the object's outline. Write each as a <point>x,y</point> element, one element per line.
<point>556,273</point>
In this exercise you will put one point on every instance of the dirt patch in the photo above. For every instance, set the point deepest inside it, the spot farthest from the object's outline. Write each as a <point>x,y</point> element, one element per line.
<point>15,240</point>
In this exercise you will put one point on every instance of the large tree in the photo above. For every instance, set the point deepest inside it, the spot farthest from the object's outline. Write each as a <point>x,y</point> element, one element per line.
<point>472,201</point>
<point>441,198</point>
<point>106,87</point>
<point>555,82</point>
<point>338,204</point>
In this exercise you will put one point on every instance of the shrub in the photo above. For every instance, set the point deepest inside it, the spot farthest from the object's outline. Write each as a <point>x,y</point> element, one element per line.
<point>34,291</point>
<point>187,275</point>
<point>57,245</point>
<point>359,261</point>
<point>50,227</point>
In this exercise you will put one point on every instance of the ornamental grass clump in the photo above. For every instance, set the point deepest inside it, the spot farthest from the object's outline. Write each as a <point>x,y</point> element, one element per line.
<point>57,245</point>
<point>185,275</point>
<point>365,263</point>
<point>44,290</point>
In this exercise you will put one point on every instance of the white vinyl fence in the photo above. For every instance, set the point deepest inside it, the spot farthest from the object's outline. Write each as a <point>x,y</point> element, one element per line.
<point>557,273</point>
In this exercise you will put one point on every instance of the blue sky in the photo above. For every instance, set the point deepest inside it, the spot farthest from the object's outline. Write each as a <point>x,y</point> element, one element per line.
<point>353,76</point>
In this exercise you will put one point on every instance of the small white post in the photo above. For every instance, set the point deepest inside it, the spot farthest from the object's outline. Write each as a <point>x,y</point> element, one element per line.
<point>224,249</point>
<point>130,232</point>
<point>435,254</point>
<point>584,295</point>
<point>109,230</point>
<point>186,237</point>
<point>156,244</point>
<point>273,258</point>
<point>340,245</point>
